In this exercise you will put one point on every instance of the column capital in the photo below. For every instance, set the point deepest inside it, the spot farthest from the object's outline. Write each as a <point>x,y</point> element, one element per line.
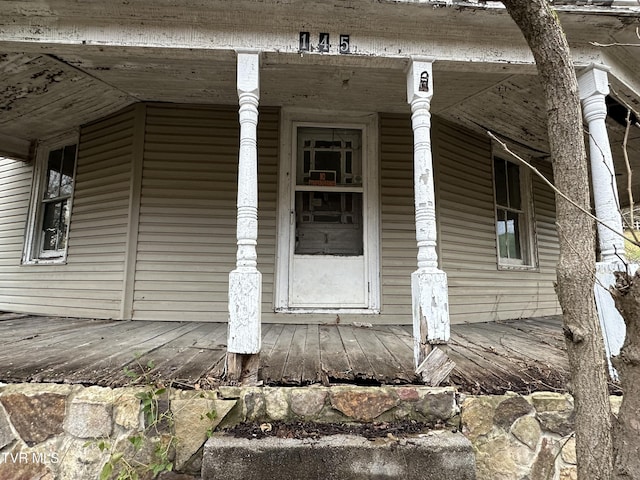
<point>248,74</point>
<point>419,79</point>
<point>594,81</point>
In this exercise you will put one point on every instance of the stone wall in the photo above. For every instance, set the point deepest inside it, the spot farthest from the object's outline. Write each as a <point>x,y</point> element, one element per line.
<point>523,437</point>
<point>50,431</point>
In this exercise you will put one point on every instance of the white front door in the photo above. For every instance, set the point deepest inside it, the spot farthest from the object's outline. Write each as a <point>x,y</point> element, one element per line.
<point>329,255</point>
<point>328,267</point>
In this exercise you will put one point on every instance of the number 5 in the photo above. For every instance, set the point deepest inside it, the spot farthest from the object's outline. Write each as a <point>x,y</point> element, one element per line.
<point>344,44</point>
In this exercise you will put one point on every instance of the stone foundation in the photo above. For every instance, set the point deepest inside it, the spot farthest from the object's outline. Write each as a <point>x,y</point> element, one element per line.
<point>50,431</point>
<point>523,437</point>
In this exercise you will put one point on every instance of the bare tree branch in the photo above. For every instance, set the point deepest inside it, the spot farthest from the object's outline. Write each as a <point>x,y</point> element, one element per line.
<point>553,187</point>
<point>628,165</point>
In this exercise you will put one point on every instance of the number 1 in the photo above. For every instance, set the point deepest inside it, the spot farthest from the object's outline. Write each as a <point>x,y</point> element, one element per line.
<point>304,41</point>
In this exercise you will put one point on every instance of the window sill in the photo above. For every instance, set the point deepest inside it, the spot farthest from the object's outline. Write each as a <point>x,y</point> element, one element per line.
<point>512,267</point>
<point>45,261</point>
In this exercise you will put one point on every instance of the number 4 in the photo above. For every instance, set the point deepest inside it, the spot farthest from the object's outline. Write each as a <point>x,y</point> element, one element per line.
<point>323,44</point>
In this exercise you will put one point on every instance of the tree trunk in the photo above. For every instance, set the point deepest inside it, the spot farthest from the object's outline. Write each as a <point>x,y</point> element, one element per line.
<point>576,265</point>
<point>627,429</point>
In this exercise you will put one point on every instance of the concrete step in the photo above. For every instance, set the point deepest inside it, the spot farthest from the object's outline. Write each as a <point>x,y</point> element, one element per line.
<point>439,455</point>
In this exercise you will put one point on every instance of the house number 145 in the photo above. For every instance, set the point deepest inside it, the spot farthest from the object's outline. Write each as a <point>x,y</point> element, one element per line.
<point>323,46</point>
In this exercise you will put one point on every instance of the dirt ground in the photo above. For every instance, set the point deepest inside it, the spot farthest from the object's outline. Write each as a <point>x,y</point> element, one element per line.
<point>300,430</point>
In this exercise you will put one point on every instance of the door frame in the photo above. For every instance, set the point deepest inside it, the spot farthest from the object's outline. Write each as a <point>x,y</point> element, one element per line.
<point>290,120</point>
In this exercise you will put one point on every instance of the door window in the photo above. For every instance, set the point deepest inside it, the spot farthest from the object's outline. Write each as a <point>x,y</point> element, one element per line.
<point>328,192</point>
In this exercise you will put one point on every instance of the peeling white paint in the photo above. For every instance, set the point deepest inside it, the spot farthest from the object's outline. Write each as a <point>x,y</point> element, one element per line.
<point>428,283</point>
<point>245,282</point>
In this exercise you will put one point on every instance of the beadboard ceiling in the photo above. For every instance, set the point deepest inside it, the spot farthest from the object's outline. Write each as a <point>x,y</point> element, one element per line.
<point>65,63</point>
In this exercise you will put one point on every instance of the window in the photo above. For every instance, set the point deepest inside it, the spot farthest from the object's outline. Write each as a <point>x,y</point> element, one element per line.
<point>51,204</point>
<point>513,215</point>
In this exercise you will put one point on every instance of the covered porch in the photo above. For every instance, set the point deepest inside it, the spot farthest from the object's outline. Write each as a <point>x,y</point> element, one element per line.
<point>155,221</point>
<point>524,355</point>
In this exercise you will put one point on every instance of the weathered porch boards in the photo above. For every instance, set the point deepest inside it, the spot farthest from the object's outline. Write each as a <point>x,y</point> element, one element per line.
<point>519,355</point>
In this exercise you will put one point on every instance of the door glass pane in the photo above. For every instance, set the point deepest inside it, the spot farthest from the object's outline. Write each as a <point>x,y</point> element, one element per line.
<point>333,151</point>
<point>328,223</point>
<point>329,161</point>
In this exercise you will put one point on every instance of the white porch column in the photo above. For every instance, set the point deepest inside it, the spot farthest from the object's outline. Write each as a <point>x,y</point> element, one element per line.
<point>594,87</point>
<point>428,283</point>
<point>245,282</point>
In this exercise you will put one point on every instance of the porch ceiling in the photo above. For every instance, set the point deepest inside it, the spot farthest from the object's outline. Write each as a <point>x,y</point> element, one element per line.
<point>64,63</point>
<point>53,80</point>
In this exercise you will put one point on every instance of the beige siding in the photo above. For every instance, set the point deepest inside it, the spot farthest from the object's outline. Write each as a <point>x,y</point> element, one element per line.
<point>90,283</point>
<point>398,237</point>
<point>15,187</point>
<point>187,231</point>
<point>478,291</point>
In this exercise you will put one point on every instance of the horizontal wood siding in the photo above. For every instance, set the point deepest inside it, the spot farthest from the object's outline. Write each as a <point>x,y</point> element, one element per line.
<point>90,283</point>
<point>478,291</point>
<point>398,237</point>
<point>187,230</point>
<point>15,188</point>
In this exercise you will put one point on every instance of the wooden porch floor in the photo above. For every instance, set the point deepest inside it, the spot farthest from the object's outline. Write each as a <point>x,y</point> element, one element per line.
<point>519,355</point>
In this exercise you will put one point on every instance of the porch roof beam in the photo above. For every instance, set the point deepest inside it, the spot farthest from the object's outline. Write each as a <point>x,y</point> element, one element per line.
<point>469,56</point>
<point>16,148</point>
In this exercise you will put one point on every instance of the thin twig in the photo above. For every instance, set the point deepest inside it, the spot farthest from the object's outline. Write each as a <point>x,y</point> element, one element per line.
<point>596,44</point>
<point>556,190</point>
<point>620,99</point>
<point>629,172</point>
<point>612,175</point>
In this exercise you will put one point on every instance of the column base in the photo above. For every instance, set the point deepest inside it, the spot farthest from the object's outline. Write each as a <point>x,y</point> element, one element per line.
<point>611,322</point>
<point>245,310</point>
<point>430,297</point>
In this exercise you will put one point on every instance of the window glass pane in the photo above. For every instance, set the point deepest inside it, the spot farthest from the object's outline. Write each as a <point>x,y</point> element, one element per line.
<point>54,226</point>
<point>508,230</point>
<point>501,229</point>
<point>513,177</point>
<point>68,165</point>
<point>500,181</point>
<point>513,235</point>
<point>54,169</point>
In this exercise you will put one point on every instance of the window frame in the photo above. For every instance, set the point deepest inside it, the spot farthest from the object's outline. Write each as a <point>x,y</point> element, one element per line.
<point>33,253</point>
<point>527,234</point>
